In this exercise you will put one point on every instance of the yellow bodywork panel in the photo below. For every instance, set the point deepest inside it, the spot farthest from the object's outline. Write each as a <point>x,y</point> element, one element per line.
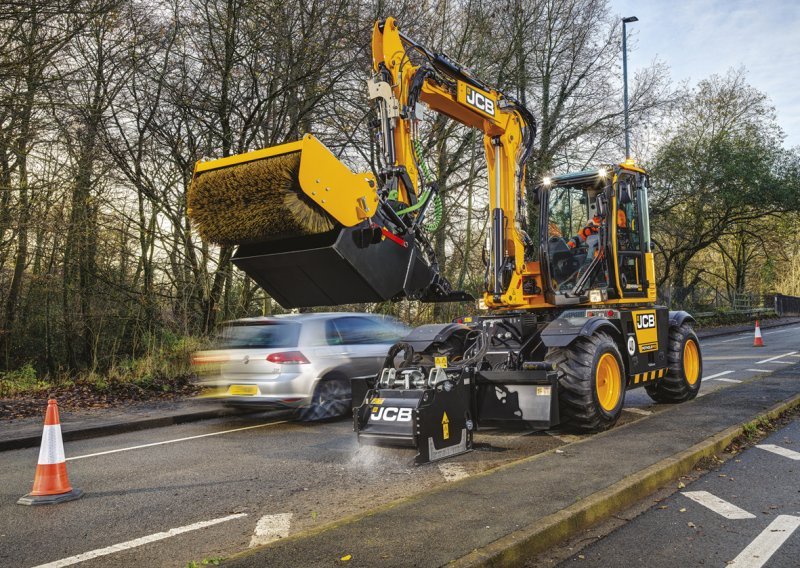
<point>348,197</point>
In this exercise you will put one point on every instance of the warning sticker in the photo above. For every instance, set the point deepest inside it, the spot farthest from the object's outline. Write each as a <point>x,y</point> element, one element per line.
<point>441,362</point>
<point>542,391</point>
<point>445,426</point>
<point>376,401</point>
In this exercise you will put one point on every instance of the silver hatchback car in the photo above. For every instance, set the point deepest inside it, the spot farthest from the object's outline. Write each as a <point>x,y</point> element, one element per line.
<point>303,361</point>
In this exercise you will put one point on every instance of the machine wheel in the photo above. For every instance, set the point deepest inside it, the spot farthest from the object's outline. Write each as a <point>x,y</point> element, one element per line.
<point>682,381</point>
<point>332,398</point>
<point>591,382</point>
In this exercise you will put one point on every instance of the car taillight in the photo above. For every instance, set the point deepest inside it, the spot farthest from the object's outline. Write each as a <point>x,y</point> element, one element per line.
<point>287,358</point>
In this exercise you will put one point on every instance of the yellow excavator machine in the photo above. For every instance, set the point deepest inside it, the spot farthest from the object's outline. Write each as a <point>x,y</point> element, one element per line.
<point>573,322</point>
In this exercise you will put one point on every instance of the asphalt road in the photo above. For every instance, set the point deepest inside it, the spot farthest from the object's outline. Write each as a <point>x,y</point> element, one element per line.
<point>164,497</point>
<point>746,514</point>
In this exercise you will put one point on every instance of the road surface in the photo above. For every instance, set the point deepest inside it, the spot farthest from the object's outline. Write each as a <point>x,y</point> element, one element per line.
<point>746,514</point>
<point>164,497</point>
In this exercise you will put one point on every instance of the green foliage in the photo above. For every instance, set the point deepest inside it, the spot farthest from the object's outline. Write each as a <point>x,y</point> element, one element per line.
<point>719,181</point>
<point>24,379</point>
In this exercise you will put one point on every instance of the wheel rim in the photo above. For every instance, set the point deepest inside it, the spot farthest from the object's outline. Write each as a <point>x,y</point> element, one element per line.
<point>607,382</point>
<point>332,400</point>
<point>691,362</point>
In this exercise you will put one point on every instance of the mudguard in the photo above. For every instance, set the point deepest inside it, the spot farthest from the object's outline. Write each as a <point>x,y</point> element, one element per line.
<point>677,318</point>
<point>564,330</point>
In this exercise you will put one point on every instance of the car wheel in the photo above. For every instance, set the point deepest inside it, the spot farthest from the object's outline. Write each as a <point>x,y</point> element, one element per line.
<point>332,398</point>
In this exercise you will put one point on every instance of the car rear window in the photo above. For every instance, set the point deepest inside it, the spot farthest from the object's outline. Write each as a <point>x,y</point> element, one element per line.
<point>262,335</point>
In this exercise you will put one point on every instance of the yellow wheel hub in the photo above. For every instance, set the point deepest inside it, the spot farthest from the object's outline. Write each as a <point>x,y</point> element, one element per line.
<point>691,362</point>
<point>608,382</point>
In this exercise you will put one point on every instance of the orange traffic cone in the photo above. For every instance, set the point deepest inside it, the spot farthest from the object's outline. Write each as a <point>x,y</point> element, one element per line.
<point>50,485</point>
<point>758,341</point>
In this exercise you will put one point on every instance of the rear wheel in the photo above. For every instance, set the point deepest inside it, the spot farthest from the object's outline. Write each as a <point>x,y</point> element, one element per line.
<point>682,381</point>
<point>591,382</point>
<point>332,398</point>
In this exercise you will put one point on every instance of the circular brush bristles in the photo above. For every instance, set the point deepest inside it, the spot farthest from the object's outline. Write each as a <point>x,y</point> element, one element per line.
<point>254,201</point>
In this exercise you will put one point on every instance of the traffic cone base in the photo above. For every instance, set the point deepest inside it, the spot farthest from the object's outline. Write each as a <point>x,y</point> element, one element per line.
<point>758,341</point>
<point>50,484</point>
<point>31,499</point>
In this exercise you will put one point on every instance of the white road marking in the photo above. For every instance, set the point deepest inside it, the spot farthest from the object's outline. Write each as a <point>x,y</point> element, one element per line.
<point>704,393</point>
<point>736,338</point>
<point>727,380</point>
<point>137,542</point>
<point>781,330</point>
<point>775,358</point>
<point>719,506</point>
<point>785,452</point>
<point>759,370</point>
<point>175,440</point>
<point>641,411</point>
<point>717,375</point>
<point>271,527</point>
<point>453,471</point>
<point>767,543</point>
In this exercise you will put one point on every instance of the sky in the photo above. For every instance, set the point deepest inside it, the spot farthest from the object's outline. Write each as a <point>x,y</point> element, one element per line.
<point>699,38</point>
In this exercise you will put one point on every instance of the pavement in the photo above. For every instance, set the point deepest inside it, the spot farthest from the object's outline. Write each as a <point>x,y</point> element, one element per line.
<point>744,514</point>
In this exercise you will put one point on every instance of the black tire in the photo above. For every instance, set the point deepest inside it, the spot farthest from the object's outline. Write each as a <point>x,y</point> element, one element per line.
<point>332,398</point>
<point>674,386</point>
<point>579,405</point>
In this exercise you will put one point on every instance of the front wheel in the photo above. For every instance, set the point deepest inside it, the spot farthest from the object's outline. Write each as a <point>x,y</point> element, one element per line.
<point>591,382</point>
<point>682,381</point>
<point>332,398</point>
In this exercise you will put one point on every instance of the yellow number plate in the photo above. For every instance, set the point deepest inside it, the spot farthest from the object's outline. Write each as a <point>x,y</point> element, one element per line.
<point>246,390</point>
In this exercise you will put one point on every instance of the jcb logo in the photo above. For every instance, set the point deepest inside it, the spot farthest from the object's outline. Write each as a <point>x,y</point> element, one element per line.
<point>645,321</point>
<point>390,414</point>
<point>480,101</point>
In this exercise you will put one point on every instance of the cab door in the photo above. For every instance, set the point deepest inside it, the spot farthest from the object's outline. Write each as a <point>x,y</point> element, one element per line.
<point>631,236</point>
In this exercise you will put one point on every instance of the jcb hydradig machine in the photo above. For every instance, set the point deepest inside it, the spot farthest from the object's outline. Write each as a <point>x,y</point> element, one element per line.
<point>573,321</point>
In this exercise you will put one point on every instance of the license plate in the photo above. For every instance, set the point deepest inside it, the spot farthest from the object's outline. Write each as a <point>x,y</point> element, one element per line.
<point>243,390</point>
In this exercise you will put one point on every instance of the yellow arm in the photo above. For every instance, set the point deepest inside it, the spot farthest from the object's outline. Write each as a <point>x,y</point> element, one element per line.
<point>508,129</point>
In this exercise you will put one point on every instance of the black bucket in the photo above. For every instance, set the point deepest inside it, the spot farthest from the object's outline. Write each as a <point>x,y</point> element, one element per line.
<point>343,266</point>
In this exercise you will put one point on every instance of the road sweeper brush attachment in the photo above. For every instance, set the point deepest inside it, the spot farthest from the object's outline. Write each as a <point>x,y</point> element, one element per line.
<point>310,231</point>
<point>292,190</point>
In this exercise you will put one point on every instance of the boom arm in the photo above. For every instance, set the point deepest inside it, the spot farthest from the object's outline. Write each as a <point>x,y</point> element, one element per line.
<point>397,87</point>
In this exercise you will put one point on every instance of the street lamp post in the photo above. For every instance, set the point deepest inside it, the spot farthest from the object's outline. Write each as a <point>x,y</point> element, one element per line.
<point>626,21</point>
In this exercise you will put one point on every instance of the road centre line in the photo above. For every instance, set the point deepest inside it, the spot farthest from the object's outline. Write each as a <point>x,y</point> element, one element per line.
<point>719,506</point>
<point>775,358</point>
<point>717,375</point>
<point>758,552</point>
<point>727,380</point>
<point>138,542</point>
<point>785,452</point>
<point>739,338</point>
<point>175,440</point>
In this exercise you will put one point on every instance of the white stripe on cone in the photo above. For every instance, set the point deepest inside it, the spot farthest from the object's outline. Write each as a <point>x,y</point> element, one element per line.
<point>52,449</point>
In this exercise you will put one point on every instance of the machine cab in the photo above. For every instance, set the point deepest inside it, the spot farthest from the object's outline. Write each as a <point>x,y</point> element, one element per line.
<point>595,234</point>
